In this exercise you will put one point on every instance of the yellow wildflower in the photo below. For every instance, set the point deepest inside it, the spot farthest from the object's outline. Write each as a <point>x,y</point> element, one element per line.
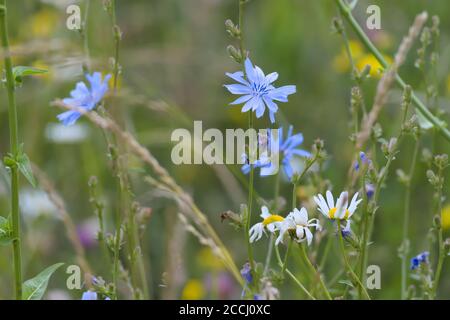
<point>445,217</point>
<point>207,259</point>
<point>44,22</point>
<point>376,69</point>
<point>341,63</point>
<point>193,290</point>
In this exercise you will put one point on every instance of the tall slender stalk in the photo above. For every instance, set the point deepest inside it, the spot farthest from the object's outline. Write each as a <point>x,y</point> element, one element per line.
<point>302,247</point>
<point>14,145</point>
<point>84,34</point>
<point>441,256</point>
<point>272,239</point>
<point>292,276</point>
<point>406,214</point>
<point>347,263</point>
<point>124,188</point>
<point>315,271</point>
<point>250,126</point>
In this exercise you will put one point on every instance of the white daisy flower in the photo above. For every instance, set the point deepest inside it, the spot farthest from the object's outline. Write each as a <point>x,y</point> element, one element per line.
<point>270,222</point>
<point>298,221</point>
<point>341,210</point>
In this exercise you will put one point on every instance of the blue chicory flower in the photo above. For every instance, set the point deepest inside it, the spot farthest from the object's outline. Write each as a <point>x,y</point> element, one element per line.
<point>288,147</point>
<point>419,259</point>
<point>84,97</point>
<point>257,90</point>
<point>89,295</point>
<point>260,163</point>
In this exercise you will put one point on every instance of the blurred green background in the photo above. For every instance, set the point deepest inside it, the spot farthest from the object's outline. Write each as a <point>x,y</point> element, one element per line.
<point>174,59</point>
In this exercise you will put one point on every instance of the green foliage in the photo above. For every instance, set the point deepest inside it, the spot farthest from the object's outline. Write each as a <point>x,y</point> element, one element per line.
<point>22,71</point>
<point>5,231</point>
<point>34,289</point>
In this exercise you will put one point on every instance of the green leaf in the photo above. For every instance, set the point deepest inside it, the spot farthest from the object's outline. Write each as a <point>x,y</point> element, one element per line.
<point>34,289</point>
<point>21,71</point>
<point>5,231</point>
<point>24,165</point>
<point>347,283</point>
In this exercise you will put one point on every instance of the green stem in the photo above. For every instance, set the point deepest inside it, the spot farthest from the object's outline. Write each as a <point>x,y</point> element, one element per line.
<point>118,223</point>
<point>241,28</point>
<point>365,224</point>
<point>14,145</point>
<point>406,215</point>
<point>117,36</point>
<point>269,255</point>
<point>437,123</point>
<point>325,254</point>
<point>315,271</point>
<point>371,212</point>
<point>441,253</point>
<point>292,276</point>
<point>347,263</point>
<point>250,204</point>
<point>133,239</point>
<point>288,251</point>
<point>272,240</point>
<point>85,35</point>
<point>250,126</point>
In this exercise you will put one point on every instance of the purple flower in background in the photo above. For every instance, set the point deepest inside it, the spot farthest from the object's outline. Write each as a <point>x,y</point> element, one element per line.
<point>257,90</point>
<point>84,97</point>
<point>89,295</point>
<point>419,259</point>
<point>87,233</point>
<point>223,283</point>
<point>246,273</point>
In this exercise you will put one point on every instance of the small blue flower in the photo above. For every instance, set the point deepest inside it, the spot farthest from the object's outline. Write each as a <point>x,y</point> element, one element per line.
<point>419,259</point>
<point>89,295</point>
<point>370,190</point>
<point>347,231</point>
<point>364,160</point>
<point>246,273</point>
<point>288,147</point>
<point>84,97</point>
<point>257,90</point>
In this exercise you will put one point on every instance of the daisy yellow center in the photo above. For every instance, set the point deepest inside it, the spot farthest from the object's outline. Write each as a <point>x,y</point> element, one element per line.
<point>272,218</point>
<point>332,212</point>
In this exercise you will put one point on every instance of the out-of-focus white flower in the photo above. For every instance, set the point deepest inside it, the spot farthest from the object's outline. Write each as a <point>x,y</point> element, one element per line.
<point>297,221</point>
<point>58,294</point>
<point>34,203</point>
<point>59,133</point>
